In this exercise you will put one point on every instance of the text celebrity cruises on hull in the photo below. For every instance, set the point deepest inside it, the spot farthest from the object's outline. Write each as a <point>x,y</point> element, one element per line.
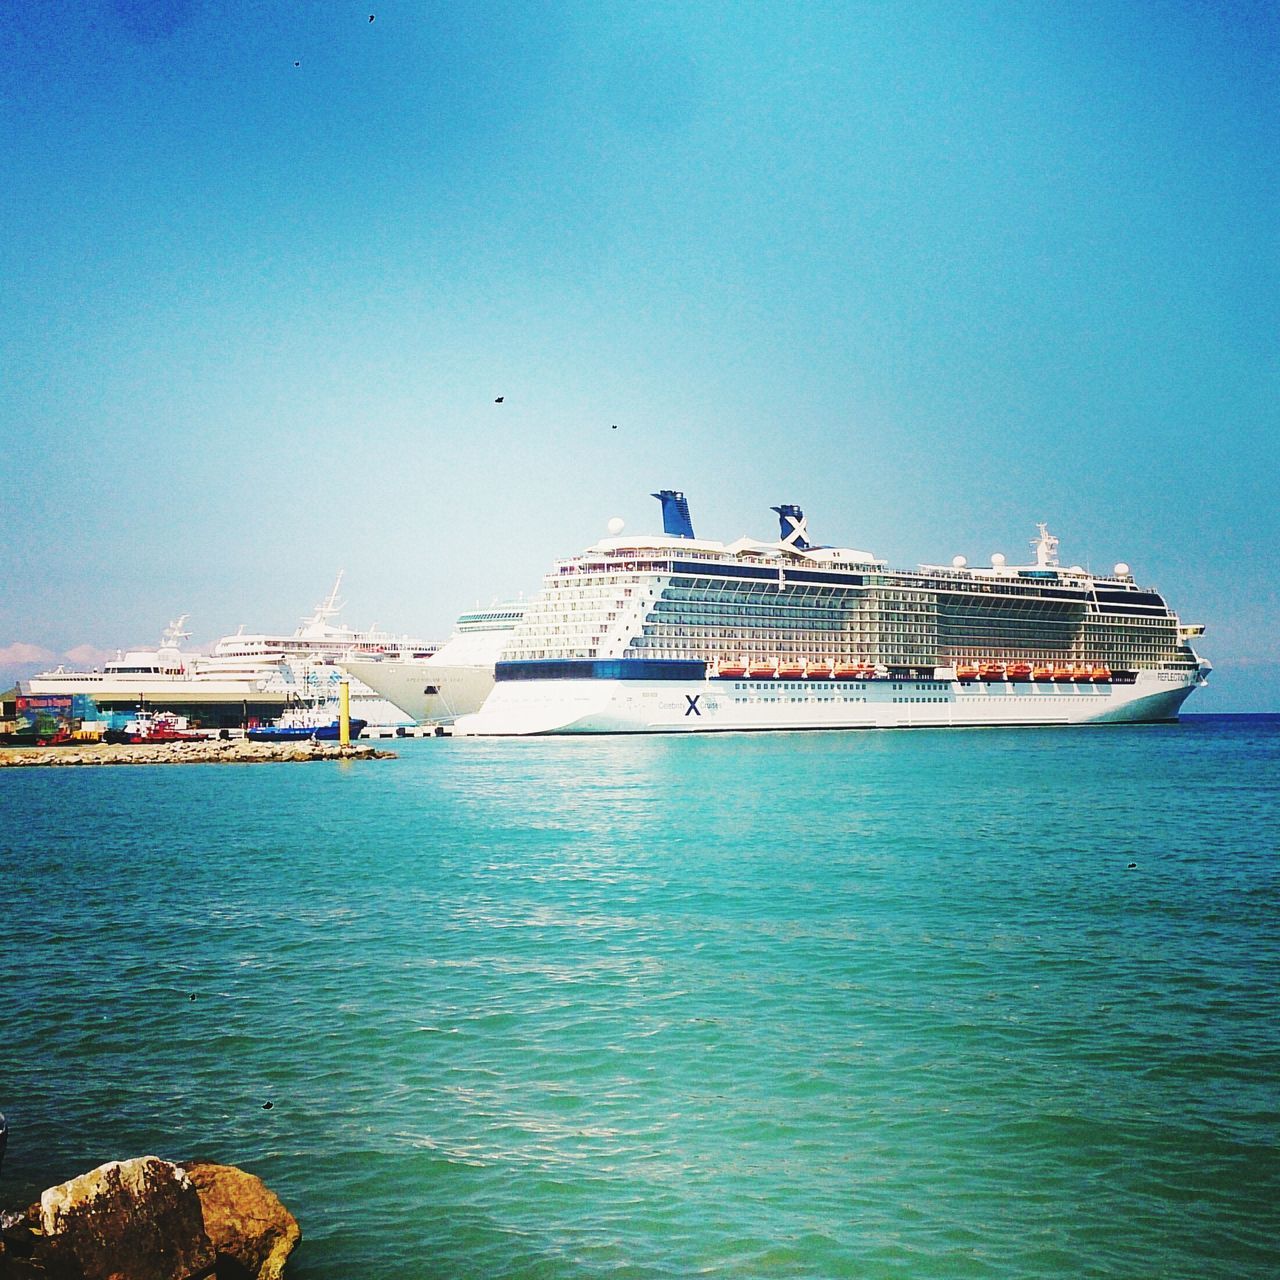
<point>674,634</point>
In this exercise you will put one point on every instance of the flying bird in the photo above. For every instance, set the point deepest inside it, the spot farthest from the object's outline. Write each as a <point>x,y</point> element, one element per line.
<point>500,399</point>
<point>266,1106</point>
<point>371,17</point>
<point>615,426</point>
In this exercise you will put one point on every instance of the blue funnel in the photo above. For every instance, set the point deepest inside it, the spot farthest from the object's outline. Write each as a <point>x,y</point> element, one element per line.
<point>675,513</point>
<point>794,530</point>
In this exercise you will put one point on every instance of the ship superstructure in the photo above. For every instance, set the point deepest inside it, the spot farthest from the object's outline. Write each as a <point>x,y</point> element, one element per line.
<point>309,660</point>
<point>672,632</point>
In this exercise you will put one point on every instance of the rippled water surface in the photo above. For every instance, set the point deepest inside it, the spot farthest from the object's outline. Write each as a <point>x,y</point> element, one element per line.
<point>861,1004</point>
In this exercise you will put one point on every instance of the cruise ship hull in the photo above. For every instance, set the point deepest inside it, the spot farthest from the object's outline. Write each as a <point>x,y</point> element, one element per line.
<point>428,692</point>
<point>528,707</point>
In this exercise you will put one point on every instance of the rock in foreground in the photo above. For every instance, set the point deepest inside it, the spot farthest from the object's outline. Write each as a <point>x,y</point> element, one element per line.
<point>244,1219</point>
<point>150,1219</point>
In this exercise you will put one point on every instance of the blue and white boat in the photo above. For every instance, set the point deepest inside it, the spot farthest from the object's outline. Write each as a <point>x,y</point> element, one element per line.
<point>301,724</point>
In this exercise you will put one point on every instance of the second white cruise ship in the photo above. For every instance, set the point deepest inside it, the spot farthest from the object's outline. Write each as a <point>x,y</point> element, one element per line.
<point>451,682</point>
<point>671,633</point>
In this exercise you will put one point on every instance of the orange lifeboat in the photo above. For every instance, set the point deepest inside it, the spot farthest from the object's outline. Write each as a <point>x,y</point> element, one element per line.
<point>762,669</point>
<point>1082,675</point>
<point>819,670</point>
<point>967,671</point>
<point>1042,673</point>
<point>1019,671</point>
<point>1102,675</point>
<point>848,671</point>
<point>731,668</point>
<point>1063,675</point>
<point>790,669</point>
<point>991,671</point>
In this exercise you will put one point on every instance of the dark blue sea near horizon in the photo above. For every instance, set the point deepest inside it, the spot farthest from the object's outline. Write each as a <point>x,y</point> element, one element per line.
<point>995,1003</point>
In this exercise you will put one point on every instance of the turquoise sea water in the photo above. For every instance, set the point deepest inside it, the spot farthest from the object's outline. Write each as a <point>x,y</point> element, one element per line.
<point>860,1004</point>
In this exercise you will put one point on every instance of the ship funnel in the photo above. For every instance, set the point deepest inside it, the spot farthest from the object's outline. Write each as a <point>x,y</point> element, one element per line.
<point>795,531</point>
<point>675,513</point>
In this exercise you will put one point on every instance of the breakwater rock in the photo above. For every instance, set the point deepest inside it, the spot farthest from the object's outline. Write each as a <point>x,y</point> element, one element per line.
<point>151,1219</point>
<point>216,751</point>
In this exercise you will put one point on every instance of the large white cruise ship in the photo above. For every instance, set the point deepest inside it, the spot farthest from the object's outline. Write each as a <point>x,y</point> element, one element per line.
<point>171,678</point>
<point>671,633</point>
<point>452,682</point>
<point>247,676</point>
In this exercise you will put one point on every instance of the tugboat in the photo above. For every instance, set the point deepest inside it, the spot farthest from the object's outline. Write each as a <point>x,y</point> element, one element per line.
<point>159,726</point>
<point>300,724</point>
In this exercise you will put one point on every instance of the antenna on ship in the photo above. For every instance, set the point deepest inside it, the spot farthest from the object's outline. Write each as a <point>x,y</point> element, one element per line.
<point>1045,547</point>
<point>174,634</point>
<point>326,610</point>
<point>332,605</point>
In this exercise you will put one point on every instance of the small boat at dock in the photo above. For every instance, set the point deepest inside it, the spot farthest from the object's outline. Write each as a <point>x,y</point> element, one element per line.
<point>300,724</point>
<point>158,726</point>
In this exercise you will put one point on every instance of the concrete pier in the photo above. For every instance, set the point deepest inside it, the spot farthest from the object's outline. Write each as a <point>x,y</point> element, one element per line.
<point>218,751</point>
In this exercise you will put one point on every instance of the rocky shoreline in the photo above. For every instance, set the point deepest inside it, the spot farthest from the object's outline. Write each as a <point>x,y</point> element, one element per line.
<point>151,1219</point>
<point>216,751</point>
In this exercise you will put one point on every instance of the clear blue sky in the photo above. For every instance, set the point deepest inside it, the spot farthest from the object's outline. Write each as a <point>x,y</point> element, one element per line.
<point>934,271</point>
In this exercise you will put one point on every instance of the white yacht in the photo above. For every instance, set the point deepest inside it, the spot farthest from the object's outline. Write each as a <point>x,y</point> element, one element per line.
<point>249,675</point>
<point>310,659</point>
<point>672,633</point>
<point>453,681</point>
<point>171,677</point>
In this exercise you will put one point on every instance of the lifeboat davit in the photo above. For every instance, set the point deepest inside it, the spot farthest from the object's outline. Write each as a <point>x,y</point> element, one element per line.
<point>991,671</point>
<point>790,669</point>
<point>731,669</point>
<point>1019,671</point>
<point>818,670</point>
<point>762,670</point>
<point>1101,675</point>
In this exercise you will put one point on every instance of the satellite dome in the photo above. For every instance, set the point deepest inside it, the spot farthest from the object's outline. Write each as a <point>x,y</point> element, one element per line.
<point>997,560</point>
<point>959,562</point>
<point>1122,570</point>
<point>616,525</point>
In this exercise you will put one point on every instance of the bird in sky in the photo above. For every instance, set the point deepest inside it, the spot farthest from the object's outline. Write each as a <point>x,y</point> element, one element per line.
<point>500,399</point>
